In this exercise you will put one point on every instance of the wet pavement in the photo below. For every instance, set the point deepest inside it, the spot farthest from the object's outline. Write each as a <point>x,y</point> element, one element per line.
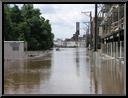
<point>68,71</point>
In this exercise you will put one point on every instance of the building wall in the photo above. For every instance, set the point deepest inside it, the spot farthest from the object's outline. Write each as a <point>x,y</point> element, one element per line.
<point>13,50</point>
<point>112,30</point>
<point>82,43</point>
<point>70,43</point>
<point>58,42</point>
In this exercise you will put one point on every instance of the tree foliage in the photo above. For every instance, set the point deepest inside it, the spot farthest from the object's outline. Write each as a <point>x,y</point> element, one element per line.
<point>27,24</point>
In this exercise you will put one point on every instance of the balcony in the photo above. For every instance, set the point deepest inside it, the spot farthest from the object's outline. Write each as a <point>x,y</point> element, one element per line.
<point>117,25</point>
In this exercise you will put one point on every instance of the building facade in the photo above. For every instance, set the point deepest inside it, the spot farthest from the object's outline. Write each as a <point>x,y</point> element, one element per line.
<point>113,30</point>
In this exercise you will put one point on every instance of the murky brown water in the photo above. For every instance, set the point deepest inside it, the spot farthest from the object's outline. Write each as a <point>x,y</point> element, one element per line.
<point>69,71</point>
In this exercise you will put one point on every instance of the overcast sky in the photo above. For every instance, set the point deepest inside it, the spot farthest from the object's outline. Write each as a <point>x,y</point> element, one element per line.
<point>63,17</point>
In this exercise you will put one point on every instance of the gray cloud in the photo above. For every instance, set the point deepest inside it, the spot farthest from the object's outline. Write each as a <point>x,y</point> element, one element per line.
<point>64,16</point>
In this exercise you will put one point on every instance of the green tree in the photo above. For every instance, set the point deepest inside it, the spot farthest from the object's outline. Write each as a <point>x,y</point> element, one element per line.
<point>7,22</point>
<point>27,24</point>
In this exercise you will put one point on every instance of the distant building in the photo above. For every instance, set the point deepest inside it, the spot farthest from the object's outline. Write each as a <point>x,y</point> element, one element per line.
<point>13,50</point>
<point>69,43</point>
<point>82,41</point>
<point>72,42</point>
<point>58,43</point>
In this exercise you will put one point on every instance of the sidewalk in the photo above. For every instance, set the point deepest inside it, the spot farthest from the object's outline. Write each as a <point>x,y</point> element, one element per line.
<point>102,56</point>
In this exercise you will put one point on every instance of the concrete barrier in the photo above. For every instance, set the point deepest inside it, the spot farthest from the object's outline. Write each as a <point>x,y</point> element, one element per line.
<point>13,50</point>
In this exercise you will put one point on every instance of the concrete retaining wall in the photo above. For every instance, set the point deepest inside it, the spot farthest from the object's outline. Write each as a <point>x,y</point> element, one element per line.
<point>13,50</point>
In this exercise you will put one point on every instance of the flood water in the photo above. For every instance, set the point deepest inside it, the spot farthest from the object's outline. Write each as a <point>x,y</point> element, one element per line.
<point>68,71</point>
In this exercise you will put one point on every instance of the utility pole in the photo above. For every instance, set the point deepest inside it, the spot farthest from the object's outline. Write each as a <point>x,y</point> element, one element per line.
<point>90,40</point>
<point>95,46</point>
<point>87,34</point>
<point>91,30</point>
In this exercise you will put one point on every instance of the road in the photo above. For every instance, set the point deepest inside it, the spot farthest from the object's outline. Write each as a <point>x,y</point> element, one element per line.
<point>68,71</point>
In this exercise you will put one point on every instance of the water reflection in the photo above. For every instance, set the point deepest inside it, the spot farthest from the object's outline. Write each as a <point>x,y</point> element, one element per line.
<point>106,76</point>
<point>68,71</point>
<point>77,61</point>
<point>26,76</point>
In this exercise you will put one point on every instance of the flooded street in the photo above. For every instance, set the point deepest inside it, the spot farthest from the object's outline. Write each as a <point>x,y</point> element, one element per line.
<point>68,71</point>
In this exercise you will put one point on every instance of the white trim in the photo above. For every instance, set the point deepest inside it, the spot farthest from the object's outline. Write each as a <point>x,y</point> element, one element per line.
<point>14,41</point>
